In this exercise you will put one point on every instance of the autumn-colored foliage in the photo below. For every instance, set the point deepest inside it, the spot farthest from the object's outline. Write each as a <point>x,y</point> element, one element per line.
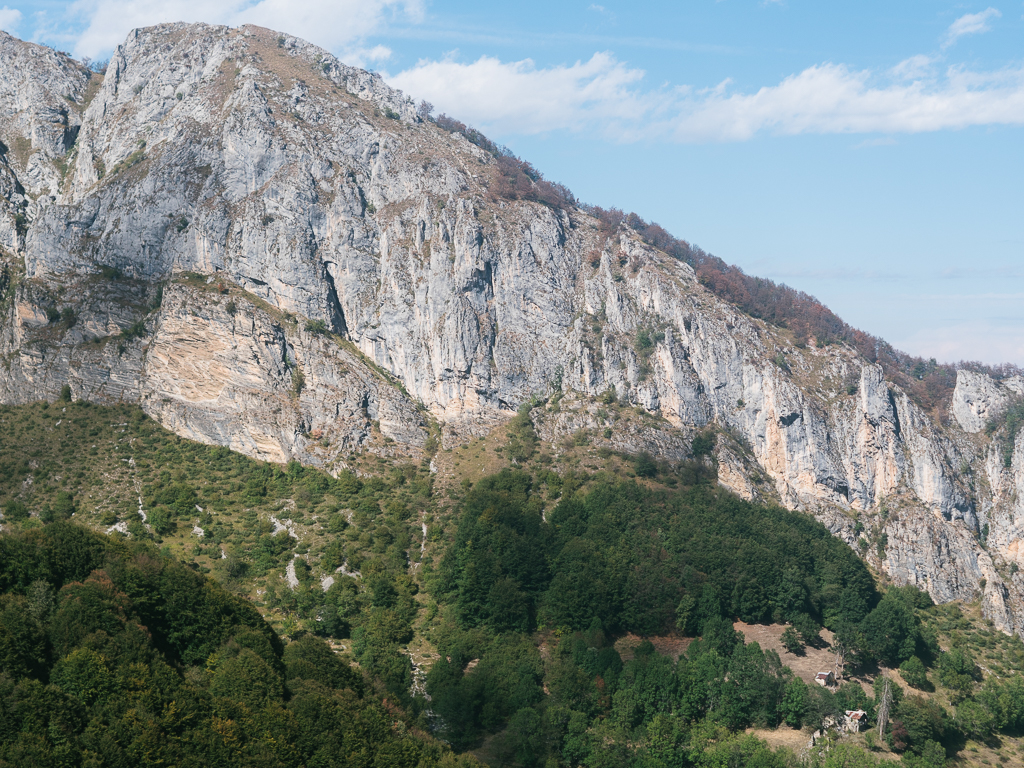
<point>515,179</point>
<point>928,382</point>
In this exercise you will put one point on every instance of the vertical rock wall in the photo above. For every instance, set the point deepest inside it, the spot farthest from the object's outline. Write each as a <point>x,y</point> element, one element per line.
<point>232,194</point>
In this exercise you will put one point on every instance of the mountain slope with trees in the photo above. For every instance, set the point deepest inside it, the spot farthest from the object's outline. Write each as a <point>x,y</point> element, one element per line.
<point>115,655</point>
<point>510,614</point>
<point>271,251</point>
<point>329,271</point>
<point>376,376</point>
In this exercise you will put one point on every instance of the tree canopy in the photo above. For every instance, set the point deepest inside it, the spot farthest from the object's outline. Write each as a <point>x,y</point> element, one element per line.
<point>630,557</point>
<point>112,654</point>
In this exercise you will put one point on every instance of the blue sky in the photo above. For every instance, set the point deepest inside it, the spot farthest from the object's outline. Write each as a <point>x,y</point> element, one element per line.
<point>868,153</point>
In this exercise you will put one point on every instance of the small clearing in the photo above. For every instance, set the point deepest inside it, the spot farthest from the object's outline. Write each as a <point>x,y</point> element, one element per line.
<point>672,646</point>
<point>810,662</point>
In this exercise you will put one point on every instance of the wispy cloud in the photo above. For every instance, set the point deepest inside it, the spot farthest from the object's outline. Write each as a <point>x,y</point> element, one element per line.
<point>9,19</point>
<point>844,274</point>
<point>998,274</point>
<point>947,297</point>
<point>970,24</point>
<point>984,340</point>
<point>603,95</point>
<point>1004,272</point>
<point>607,95</point>
<point>913,68</point>
<point>483,35</point>
<point>882,141</point>
<point>518,97</point>
<point>831,98</point>
<point>367,57</point>
<point>340,25</point>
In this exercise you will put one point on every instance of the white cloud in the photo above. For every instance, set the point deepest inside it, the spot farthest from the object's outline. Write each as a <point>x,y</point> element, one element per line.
<point>333,24</point>
<point>605,95</point>
<point>830,98</point>
<point>970,24</point>
<point>600,10</point>
<point>9,18</point>
<point>913,68</point>
<point>883,141</point>
<point>365,57</point>
<point>517,97</point>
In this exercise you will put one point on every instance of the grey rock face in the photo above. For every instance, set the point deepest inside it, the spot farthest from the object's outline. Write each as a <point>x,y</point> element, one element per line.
<point>40,103</point>
<point>977,399</point>
<point>215,159</point>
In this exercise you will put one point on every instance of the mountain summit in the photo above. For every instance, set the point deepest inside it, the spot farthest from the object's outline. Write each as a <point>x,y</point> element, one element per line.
<point>275,252</point>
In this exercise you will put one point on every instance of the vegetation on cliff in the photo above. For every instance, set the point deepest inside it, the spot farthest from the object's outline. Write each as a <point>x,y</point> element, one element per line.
<point>619,559</point>
<point>929,382</point>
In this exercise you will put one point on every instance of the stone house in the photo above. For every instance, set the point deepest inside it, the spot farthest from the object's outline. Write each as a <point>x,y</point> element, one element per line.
<point>856,719</point>
<point>825,679</point>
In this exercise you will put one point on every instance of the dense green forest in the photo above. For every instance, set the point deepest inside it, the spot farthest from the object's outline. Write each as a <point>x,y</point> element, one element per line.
<point>155,643</point>
<point>645,561</point>
<point>619,558</point>
<point>115,655</point>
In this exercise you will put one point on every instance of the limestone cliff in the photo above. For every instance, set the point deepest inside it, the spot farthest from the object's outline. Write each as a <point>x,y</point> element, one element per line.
<point>271,250</point>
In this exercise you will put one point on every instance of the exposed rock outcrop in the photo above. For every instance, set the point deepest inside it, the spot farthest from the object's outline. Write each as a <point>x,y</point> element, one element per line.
<point>270,250</point>
<point>978,399</point>
<point>41,92</point>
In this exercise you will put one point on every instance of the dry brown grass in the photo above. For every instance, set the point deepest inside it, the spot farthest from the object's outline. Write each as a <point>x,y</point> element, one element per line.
<point>672,646</point>
<point>789,738</point>
<point>475,459</point>
<point>91,89</point>
<point>999,751</point>
<point>806,665</point>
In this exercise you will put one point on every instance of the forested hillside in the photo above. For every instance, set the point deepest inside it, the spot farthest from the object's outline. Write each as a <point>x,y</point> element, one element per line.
<point>270,533</point>
<point>115,655</point>
<point>645,561</point>
<point>555,614</point>
<point>619,558</point>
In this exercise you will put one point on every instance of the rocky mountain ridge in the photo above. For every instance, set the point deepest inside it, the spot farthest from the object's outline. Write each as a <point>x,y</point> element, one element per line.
<point>273,251</point>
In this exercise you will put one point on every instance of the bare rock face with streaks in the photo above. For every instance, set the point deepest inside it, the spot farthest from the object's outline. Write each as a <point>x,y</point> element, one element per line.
<point>978,399</point>
<point>272,251</point>
<point>39,123</point>
<point>225,371</point>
